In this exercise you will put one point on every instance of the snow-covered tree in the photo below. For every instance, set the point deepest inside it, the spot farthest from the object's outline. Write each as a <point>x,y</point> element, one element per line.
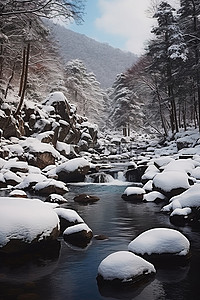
<point>126,113</point>
<point>85,91</point>
<point>168,52</point>
<point>189,19</point>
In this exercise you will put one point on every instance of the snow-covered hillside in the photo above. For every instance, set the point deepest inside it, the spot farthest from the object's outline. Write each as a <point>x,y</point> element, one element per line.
<point>102,59</point>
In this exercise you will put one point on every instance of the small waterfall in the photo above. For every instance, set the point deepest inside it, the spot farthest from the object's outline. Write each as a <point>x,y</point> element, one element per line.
<point>120,176</point>
<point>99,178</point>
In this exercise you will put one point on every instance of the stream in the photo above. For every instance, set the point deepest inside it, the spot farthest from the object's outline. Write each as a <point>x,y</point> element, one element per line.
<point>72,274</point>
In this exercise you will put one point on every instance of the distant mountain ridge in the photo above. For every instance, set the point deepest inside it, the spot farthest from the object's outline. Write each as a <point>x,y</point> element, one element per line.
<point>100,58</point>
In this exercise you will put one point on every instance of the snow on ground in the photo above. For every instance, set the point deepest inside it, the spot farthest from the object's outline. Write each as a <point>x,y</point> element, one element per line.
<point>125,266</point>
<point>160,241</point>
<point>25,219</point>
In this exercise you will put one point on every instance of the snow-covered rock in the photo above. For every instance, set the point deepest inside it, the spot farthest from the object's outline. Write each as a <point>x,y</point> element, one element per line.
<point>68,217</point>
<point>39,154</point>
<point>150,173</point>
<point>73,170</point>
<point>79,235</point>
<point>154,196</point>
<point>171,183</point>
<point>189,198</point>
<point>180,216</point>
<point>124,267</point>
<point>18,193</point>
<point>161,242</point>
<point>25,222</point>
<point>55,198</point>
<point>133,194</point>
<point>51,186</point>
<point>181,165</point>
<point>30,180</point>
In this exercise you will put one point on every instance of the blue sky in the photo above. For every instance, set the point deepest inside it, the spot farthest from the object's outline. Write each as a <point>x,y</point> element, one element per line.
<point>123,24</point>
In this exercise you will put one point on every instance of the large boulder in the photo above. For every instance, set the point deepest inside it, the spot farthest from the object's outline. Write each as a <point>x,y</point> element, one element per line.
<point>73,170</point>
<point>39,154</point>
<point>25,224</point>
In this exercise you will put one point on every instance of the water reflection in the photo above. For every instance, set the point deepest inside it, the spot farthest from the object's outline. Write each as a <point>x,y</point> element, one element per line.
<point>26,267</point>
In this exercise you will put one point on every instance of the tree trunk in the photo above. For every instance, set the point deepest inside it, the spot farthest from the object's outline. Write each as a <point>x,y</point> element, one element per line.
<point>25,80</point>
<point>23,71</point>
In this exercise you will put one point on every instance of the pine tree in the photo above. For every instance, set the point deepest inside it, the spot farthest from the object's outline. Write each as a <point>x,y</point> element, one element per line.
<point>126,110</point>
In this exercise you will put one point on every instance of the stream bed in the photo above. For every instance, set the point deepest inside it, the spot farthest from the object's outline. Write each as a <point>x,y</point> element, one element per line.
<point>72,274</point>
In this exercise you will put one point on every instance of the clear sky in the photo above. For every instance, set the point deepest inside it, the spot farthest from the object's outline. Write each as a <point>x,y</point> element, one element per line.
<point>123,24</point>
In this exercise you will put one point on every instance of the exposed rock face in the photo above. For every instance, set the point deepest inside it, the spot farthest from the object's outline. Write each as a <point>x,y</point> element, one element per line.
<point>42,160</point>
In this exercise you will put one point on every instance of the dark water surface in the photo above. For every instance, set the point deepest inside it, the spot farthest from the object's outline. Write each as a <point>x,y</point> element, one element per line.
<point>72,275</point>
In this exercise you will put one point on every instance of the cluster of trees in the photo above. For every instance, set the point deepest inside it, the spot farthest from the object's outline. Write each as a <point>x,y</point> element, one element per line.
<point>173,67</point>
<point>23,39</point>
<point>125,105</point>
<point>167,77</point>
<point>84,90</point>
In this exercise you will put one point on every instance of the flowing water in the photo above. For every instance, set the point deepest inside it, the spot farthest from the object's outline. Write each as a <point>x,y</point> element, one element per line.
<point>72,274</point>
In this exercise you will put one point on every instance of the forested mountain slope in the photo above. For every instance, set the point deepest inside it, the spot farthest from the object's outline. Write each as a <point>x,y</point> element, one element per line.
<point>101,59</point>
